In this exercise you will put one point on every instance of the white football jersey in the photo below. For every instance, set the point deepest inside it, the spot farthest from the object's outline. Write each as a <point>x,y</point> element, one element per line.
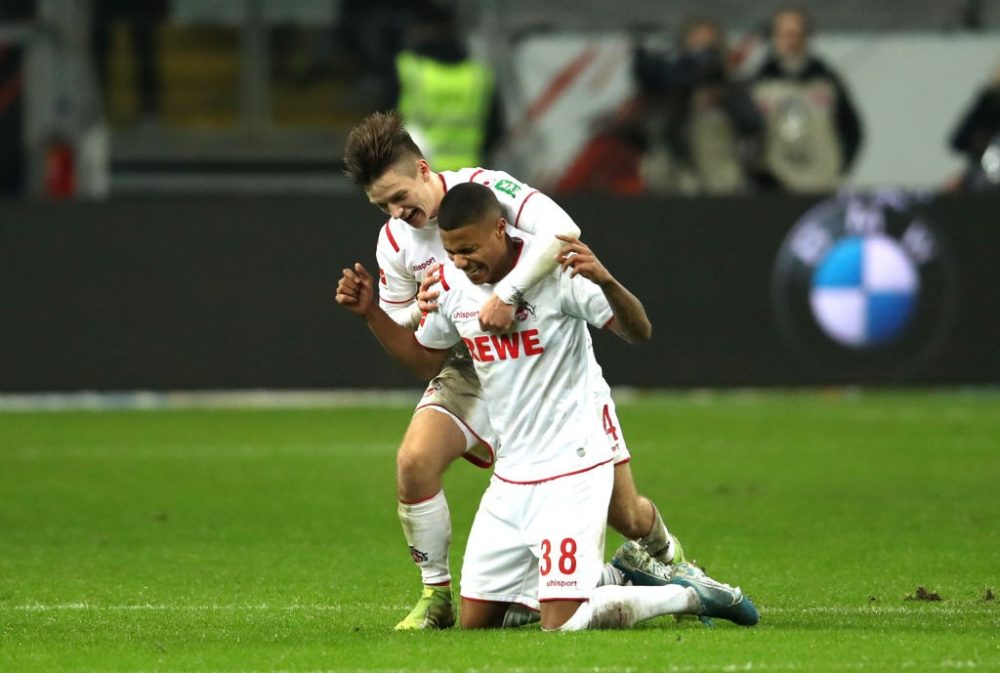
<point>537,378</point>
<point>405,254</point>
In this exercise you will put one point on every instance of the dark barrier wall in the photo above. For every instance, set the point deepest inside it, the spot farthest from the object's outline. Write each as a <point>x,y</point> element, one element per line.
<point>230,293</point>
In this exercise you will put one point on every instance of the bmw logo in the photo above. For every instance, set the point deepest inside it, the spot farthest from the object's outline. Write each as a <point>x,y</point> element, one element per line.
<point>863,287</point>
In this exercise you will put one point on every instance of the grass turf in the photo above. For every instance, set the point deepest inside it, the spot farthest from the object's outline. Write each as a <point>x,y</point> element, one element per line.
<point>267,540</point>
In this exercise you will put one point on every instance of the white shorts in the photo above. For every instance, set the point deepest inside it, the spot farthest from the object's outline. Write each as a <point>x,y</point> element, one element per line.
<point>532,543</point>
<point>456,392</point>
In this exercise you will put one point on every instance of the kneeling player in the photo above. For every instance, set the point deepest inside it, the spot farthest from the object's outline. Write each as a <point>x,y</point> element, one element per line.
<point>538,536</point>
<point>450,421</point>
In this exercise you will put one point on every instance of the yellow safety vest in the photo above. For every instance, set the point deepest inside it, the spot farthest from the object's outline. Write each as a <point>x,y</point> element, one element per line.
<point>445,106</point>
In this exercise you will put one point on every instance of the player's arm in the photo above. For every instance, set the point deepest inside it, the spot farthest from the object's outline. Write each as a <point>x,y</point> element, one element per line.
<point>542,217</point>
<point>355,292</point>
<point>629,319</point>
<point>408,314</point>
<point>397,294</point>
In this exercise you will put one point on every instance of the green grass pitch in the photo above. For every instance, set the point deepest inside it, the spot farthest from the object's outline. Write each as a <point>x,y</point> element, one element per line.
<point>267,540</point>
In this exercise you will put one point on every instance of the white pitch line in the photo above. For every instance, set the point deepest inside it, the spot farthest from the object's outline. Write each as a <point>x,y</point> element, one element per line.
<point>751,666</point>
<point>338,607</point>
<point>162,607</point>
<point>879,609</point>
<point>207,399</point>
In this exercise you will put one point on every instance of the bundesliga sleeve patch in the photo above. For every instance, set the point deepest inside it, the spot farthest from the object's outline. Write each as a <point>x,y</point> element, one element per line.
<point>508,187</point>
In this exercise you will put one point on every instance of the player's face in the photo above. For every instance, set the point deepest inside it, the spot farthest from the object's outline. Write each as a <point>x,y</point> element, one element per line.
<point>408,192</point>
<point>479,250</point>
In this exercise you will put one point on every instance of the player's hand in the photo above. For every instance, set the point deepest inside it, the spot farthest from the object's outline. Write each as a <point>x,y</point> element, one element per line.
<point>426,297</point>
<point>355,290</point>
<point>580,259</point>
<point>495,315</point>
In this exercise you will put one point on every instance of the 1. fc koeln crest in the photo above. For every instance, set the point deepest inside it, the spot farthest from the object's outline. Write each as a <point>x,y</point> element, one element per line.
<point>863,285</point>
<point>523,311</point>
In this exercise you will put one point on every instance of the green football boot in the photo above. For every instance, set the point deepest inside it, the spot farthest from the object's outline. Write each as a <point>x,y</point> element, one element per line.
<point>434,610</point>
<point>678,551</point>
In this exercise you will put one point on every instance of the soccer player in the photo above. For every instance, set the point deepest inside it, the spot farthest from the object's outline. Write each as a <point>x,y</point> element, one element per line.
<point>450,421</point>
<point>538,537</point>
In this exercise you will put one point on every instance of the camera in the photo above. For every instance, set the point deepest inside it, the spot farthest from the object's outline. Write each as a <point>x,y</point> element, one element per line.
<point>669,71</point>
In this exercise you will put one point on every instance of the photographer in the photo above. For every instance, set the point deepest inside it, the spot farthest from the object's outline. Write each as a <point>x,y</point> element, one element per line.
<point>702,129</point>
<point>977,138</point>
<point>689,128</point>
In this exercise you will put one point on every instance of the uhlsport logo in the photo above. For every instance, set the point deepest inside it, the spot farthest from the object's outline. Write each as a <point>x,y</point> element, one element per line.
<point>863,285</point>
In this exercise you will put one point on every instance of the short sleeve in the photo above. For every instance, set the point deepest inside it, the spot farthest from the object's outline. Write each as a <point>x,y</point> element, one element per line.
<point>528,210</point>
<point>437,332</point>
<point>397,286</point>
<point>512,194</point>
<point>583,299</point>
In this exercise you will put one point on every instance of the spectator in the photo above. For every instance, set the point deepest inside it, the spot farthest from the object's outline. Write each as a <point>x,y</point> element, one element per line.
<point>13,167</point>
<point>609,163</point>
<point>690,128</point>
<point>977,136</point>
<point>813,130</point>
<point>446,98</point>
<point>367,38</point>
<point>143,19</point>
<point>702,126</point>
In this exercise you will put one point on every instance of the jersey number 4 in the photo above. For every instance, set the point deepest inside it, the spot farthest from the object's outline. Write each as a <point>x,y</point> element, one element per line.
<point>567,557</point>
<point>609,424</point>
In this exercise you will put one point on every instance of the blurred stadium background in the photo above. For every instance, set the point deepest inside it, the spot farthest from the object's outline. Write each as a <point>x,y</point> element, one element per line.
<point>189,237</point>
<point>173,222</point>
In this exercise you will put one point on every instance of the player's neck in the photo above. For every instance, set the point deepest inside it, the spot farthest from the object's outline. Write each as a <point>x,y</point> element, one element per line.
<point>510,258</point>
<point>437,185</point>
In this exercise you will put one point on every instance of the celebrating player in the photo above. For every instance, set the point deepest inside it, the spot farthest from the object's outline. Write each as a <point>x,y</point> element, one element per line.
<point>451,421</point>
<point>538,537</point>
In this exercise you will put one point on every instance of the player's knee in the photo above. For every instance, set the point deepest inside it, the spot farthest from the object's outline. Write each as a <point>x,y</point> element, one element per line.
<point>473,623</point>
<point>415,463</point>
<point>419,468</point>
<point>482,615</point>
<point>556,615</point>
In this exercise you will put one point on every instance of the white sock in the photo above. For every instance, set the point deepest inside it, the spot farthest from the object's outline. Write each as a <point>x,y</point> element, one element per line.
<point>612,607</point>
<point>611,575</point>
<point>658,542</point>
<point>427,529</point>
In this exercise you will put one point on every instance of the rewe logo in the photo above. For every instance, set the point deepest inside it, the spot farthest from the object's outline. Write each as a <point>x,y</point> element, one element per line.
<point>489,348</point>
